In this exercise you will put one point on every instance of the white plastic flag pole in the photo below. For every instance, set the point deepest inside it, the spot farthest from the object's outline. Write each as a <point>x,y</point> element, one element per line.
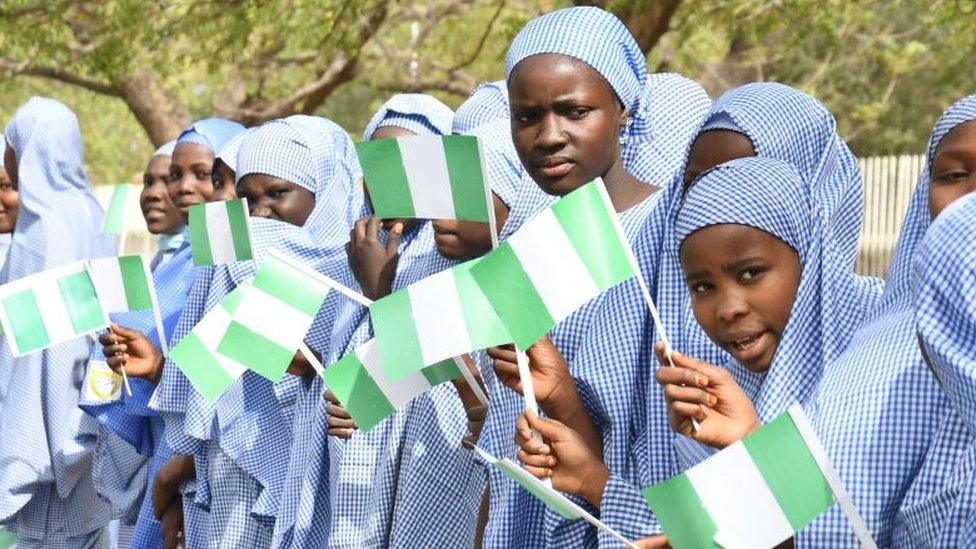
<point>312,360</point>
<point>528,393</point>
<point>471,380</point>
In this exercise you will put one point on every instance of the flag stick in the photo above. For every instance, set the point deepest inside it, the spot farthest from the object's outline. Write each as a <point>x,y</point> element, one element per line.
<point>528,393</point>
<point>310,357</point>
<point>471,381</point>
<point>125,380</point>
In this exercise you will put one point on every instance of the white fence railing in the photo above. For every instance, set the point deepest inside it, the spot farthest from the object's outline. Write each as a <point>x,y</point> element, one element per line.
<point>888,185</point>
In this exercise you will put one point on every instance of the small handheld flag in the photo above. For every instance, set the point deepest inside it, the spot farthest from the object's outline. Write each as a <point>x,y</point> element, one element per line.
<point>50,307</point>
<point>125,284</point>
<point>220,232</point>
<point>115,216</point>
<point>757,492</point>
<point>360,384</point>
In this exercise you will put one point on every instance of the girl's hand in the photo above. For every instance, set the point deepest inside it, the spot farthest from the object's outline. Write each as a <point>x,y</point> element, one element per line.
<point>373,263</point>
<point>171,526</point>
<point>659,541</point>
<point>565,458</point>
<point>341,423</point>
<point>707,393</point>
<point>550,374</point>
<point>133,351</point>
<point>300,366</point>
<point>165,489</point>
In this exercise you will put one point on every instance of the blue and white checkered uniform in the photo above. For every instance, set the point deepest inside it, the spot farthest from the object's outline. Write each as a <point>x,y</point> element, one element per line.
<point>417,112</point>
<point>488,102</point>
<point>879,399</point>
<point>46,490</point>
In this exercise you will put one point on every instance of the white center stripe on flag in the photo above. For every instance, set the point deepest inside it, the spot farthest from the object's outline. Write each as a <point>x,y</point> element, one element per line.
<point>547,245</point>
<point>221,239</point>
<point>399,392</point>
<point>441,328</point>
<point>211,330</point>
<point>430,183</point>
<point>57,320</point>
<point>263,313</point>
<point>111,290</point>
<point>749,512</point>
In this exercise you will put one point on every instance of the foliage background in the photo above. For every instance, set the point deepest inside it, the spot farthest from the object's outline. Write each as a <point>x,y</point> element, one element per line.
<point>136,71</point>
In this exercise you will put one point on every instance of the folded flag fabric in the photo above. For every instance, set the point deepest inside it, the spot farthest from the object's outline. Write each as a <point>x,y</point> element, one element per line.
<point>757,492</point>
<point>557,261</point>
<point>196,354</point>
<point>439,317</point>
<point>556,501</point>
<point>220,232</point>
<point>274,315</point>
<point>50,307</point>
<point>428,177</point>
<point>358,381</point>
<point>118,207</point>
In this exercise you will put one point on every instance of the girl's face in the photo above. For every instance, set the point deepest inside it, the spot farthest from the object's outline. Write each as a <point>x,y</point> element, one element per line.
<point>10,165</point>
<point>467,239</point>
<point>566,122</point>
<point>715,147</point>
<point>223,182</point>
<point>743,282</point>
<point>953,167</point>
<point>190,176</point>
<point>158,209</point>
<point>275,198</point>
<point>9,203</point>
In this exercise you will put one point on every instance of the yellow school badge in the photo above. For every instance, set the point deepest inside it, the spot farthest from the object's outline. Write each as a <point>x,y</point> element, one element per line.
<point>101,383</point>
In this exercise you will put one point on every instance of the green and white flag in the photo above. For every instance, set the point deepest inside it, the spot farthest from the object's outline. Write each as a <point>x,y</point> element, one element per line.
<point>50,307</point>
<point>118,208</point>
<point>360,384</point>
<point>274,315</point>
<point>196,354</point>
<point>428,177</point>
<point>125,284</point>
<point>757,492</point>
<point>545,493</point>
<point>7,538</point>
<point>220,232</point>
<point>556,262</point>
<point>439,317</point>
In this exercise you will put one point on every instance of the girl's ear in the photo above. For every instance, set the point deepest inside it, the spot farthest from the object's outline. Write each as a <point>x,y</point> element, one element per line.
<point>623,117</point>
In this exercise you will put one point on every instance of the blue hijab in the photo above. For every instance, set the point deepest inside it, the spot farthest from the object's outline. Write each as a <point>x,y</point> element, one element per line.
<point>314,496</point>
<point>46,485</point>
<point>880,394</point>
<point>947,329</point>
<point>489,101</point>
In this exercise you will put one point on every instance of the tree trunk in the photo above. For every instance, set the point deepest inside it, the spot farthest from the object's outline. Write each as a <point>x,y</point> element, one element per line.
<point>158,111</point>
<point>648,20</point>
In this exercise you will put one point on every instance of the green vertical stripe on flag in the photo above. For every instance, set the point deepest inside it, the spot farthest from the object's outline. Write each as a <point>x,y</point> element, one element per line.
<point>507,287</point>
<point>289,285</point>
<point>445,370</point>
<point>393,323</point>
<point>467,181</point>
<point>80,300</point>
<point>484,326</point>
<point>135,282</point>
<point>7,538</point>
<point>201,367</point>
<point>255,351</point>
<point>358,393</point>
<point>115,216</point>
<point>386,178</point>
<point>199,238</point>
<point>584,217</point>
<point>237,217</point>
<point>26,321</point>
<point>681,512</point>
<point>793,476</point>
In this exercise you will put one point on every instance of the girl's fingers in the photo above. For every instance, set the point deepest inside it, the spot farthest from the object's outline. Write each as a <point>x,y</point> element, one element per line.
<point>337,411</point>
<point>339,423</point>
<point>502,353</point>
<point>539,472</point>
<point>688,409</point>
<point>680,375</point>
<point>536,460</point>
<point>341,433</point>
<point>690,395</point>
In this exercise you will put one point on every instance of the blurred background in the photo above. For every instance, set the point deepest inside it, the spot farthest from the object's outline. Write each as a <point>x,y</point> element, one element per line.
<point>138,71</point>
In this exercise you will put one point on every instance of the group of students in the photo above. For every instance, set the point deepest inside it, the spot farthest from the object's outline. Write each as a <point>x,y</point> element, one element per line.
<point>743,214</point>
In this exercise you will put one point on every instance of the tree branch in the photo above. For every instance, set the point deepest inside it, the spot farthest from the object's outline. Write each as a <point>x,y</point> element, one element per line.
<point>484,38</point>
<point>428,86</point>
<point>27,69</point>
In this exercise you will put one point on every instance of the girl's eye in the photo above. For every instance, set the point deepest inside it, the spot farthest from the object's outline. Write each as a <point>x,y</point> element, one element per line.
<point>203,175</point>
<point>578,112</point>
<point>751,274</point>
<point>700,287</point>
<point>524,117</point>
<point>955,175</point>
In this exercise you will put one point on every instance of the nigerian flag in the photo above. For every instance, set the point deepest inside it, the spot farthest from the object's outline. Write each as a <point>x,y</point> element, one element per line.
<point>118,206</point>
<point>196,354</point>
<point>123,283</point>
<point>757,492</point>
<point>274,315</point>
<point>439,317</point>
<point>563,257</point>
<point>426,176</point>
<point>50,307</point>
<point>220,232</point>
<point>360,384</point>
